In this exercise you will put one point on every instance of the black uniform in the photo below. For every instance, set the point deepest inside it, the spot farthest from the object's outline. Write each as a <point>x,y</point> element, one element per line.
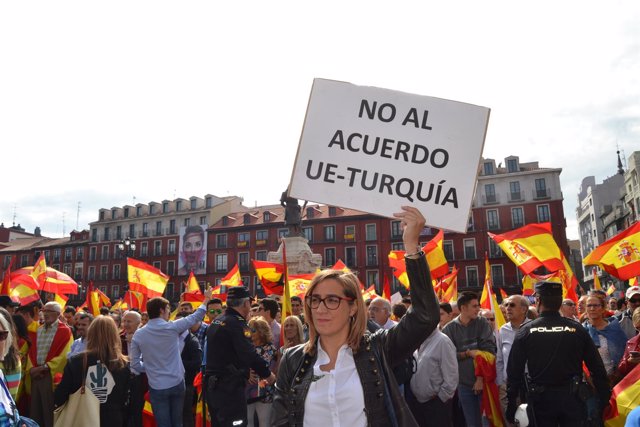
<point>553,348</point>
<point>230,354</point>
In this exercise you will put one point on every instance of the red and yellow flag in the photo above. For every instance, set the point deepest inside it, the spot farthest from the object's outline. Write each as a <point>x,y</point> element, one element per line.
<point>270,274</point>
<point>620,255</point>
<point>449,286</point>
<point>232,278</point>
<point>625,398</point>
<point>39,271</point>
<point>146,278</point>
<point>6,279</point>
<point>286,309</point>
<point>61,299</point>
<point>369,293</point>
<point>485,367</point>
<point>299,283</point>
<point>530,247</point>
<point>386,289</point>
<point>611,289</point>
<point>192,284</point>
<point>435,256</point>
<point>488,299</point>
<point>342,266</point>
<point>133,299</point>
<point>396,262</point>
<point>24,288</point>
<point>596,280</point>
<point>52,280</point>
<point>96,299</point>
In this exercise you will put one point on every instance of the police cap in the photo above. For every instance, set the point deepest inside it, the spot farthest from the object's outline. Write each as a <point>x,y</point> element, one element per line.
<point>238,292</point>
<point>548,289</point>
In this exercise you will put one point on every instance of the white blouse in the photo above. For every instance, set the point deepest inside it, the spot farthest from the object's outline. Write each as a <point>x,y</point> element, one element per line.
<point>335,398</point>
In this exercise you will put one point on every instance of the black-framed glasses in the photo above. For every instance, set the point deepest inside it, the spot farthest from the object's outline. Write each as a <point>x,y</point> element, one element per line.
<point>4,335</point>
<point>332,302</point>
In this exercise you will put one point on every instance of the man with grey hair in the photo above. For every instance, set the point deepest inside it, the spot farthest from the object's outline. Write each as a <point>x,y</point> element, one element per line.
<point>138,385</point>
<point>516,308</point>
<point>47,358</point>
<point>380,312</point>
<point>230,356</point>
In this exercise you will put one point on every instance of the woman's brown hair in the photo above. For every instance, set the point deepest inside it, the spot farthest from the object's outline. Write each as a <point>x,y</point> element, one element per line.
<point>104,342</point>
<point>351,289</point>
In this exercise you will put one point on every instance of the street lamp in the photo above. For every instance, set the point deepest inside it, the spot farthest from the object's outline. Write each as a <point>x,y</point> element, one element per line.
<point>127,246</point>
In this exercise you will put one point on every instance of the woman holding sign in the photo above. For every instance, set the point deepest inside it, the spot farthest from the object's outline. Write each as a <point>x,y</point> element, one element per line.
<point>344,371</point>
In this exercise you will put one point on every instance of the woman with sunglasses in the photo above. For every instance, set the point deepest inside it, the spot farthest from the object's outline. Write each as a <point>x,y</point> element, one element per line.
<point>343,374</point>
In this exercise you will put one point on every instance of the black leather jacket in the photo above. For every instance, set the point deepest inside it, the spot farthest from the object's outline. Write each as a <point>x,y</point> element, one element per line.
<point>378,353</point>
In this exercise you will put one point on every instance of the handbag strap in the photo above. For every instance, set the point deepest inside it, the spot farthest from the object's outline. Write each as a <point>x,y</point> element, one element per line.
<point>84,372</point>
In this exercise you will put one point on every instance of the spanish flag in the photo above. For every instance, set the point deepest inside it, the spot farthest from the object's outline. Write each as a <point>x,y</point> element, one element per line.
<point>369,293</point>
<point>232,278</point>
<point>620,255</point>
<point>146,278</point>
<point>133,299</point>
<point>339,265</point>
<point>270,274</point>
<point>530,247</point>
<point>396,262</point>
<point>435,256</point>
<point>24,288</point>
<point>39,271</point>
<point>596,280</point>
<point>488,299</point>
<point>52,280</point>
<point>625,397</point>
<point>449,286</point>
<point>299,283</point>
<point>485,367</point>
<point>6,279</point>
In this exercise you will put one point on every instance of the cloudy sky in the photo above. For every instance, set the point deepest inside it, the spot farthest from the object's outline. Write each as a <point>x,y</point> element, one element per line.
<point>110,103</point>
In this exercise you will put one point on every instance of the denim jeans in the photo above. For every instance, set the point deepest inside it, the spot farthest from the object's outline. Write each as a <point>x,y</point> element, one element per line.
<point>167,405</point>
<point>470,403</point>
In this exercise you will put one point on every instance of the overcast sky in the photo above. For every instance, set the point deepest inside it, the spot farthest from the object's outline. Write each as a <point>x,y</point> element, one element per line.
<point>104,104</point>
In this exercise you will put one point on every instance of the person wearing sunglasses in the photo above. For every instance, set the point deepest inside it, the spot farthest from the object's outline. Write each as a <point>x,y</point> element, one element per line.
<point>568,309</point>
<point>214,309</point>
<point>343,374</point>
<point>626,317</point>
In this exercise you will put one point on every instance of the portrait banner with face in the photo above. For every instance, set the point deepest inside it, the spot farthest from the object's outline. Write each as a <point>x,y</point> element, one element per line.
<point>375,149</point>
<point>193,250</point>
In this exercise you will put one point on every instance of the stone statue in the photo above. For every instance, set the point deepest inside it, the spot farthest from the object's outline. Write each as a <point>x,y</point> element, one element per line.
<point>292,214</point>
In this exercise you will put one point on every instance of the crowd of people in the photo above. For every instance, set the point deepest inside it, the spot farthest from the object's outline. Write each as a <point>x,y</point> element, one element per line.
<point>337,360</point>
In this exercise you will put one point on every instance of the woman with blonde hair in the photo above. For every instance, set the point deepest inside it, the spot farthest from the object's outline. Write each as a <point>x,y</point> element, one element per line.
<point>107,374</point>
<point>259,398</point>
<point>293,332</point>
<point>343,374</point>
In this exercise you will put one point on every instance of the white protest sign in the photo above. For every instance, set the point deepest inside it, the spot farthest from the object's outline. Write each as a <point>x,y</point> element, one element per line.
<point>375,150</point>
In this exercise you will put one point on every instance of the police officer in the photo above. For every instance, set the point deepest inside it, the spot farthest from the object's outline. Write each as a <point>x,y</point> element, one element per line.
<point>553,348</point>
<point>230,354</point>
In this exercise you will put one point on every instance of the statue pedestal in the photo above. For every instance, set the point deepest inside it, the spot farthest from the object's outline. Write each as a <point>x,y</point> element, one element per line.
<point>300,259</point>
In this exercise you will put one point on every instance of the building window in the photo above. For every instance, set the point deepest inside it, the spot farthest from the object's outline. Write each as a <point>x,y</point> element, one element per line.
<point>370,233</point>
<point>221,263</point>
<point>126,212</point>
<point>157,248</point>
<point>447,248</point>
<point>68,255</point>
<point>350,256</point>
<point>106,233</point>
<point>372,278</point>
<point>282,232</point>
<point>492,219</point>
<point>246,220</point>
<point>470,224</point>
<point>94,235</point>
<point>310,212</point>
<point>543,213</point>
<point>469,248</point>
<point>243,261</point>
<point>152,209</point>
<point>372,255</point>
<point>103,272</point>
<point>194,203</point>
<point>221,241</point>
<point>113,214</point>
<point>172,226</point>
<point>494,249</point>
<point>144,249</point>
<point>145,230</point>
<point>178,205</point>
<point>203,220</point>
<point>396,229</point>
<point>307,233</point>
<point>330,233</point>
<point>139,211</point>
<point>261,255</point>
<point>119,232</point>
<point>132,231</point>
<point>92,273</point>
<point>397,246</point>
<point>330,257</point>
<point>514,191</point>
<point>541,188</point>
<point>103,256</point>
<point>172,247</point>
<point>472,276</point>
<point>187,222</point>
<point>490,193</point>
<point>262,235</point>
<point>79,254</point>
<point>209,202</point>
<point>497,275</point>
<point>332,211</point>
<point>512,165</point>
<point>266,216</point>
<point>171,268</point>
<point>517,217</point>
<point>488,168</point>
<point>350,233</point>
<point>116,271</point>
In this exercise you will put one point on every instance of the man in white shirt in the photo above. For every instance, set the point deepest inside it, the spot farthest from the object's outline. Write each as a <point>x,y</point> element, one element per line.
<point>435,381</point>
<point>516,307</point>
<point>380,312</point>
<point>82,324</point>
<point>268,308</point>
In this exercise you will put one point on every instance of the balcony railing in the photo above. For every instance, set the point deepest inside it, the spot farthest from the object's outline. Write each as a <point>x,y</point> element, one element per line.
<point>541,193</point>
<point>490,199</point>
